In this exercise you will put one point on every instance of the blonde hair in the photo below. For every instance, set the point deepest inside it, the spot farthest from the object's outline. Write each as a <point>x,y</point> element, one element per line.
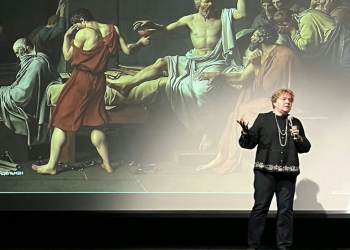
<point>280,92</point>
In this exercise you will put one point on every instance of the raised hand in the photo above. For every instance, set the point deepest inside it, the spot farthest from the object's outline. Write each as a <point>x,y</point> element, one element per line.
<point>244,125</point>
<point>62,8</point>
<point>71,29</point>
<point>59,7</point>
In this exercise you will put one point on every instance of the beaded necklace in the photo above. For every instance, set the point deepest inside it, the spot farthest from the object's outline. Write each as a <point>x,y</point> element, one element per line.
<point>280,132</point>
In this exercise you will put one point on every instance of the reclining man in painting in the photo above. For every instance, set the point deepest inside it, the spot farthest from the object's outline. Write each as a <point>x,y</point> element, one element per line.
<point>196,103</point>
<point>22,103</point>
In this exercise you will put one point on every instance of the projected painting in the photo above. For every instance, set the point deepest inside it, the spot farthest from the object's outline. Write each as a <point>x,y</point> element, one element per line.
<point>183,75</point>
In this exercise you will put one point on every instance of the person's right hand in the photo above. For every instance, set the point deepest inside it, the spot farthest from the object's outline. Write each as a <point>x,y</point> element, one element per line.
<point>243,124</point>
<point>144,41</point>
<point>71,29</point>
<point>139,24</point>
<point>256,58</point>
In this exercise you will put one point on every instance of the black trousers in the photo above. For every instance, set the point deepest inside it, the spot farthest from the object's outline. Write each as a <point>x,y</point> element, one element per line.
<point>265,186</point>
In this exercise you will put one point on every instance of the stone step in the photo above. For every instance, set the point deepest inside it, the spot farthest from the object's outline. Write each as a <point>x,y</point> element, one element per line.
<point>193,157</point>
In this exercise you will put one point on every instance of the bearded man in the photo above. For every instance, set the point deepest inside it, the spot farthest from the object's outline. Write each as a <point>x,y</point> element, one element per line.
<point>212,33</point>
<point>271,67</point>
<point>19,102</point>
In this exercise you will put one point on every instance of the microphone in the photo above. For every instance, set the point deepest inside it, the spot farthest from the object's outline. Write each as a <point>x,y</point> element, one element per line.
<point>290,119</point>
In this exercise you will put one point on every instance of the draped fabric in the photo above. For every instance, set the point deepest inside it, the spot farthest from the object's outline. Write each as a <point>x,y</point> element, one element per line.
<point>81,101</point>
<point>21,101</point>
<point>322,41</point>
<point>195,102</point>
<point>342,13</point>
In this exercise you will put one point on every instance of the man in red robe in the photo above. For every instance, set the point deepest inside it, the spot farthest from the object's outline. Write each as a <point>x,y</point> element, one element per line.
<point>274,67</point>
<point>81,102</point>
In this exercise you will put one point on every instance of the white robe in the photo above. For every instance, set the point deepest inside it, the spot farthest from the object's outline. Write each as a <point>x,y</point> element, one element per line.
<point>195,102</point>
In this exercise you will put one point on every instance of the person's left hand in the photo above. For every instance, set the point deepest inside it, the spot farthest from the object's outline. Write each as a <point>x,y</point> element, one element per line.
<point>295,132</point>
<point>244,125</point>
<point>211,76</point>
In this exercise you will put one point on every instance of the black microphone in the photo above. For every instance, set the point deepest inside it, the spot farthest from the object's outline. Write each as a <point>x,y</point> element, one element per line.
<point>290,119</point>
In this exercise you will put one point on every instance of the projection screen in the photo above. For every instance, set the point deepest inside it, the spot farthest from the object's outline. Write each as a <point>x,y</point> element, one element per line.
<point>163,176</point>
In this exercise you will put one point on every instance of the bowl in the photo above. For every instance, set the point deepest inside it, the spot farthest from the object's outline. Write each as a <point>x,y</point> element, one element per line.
<point>145,32</point>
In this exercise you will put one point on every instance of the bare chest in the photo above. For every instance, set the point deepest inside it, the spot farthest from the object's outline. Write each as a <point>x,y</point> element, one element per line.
<point>205,28</point>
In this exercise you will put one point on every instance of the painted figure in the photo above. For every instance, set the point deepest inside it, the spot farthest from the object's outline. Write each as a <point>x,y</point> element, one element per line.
<point>196,103</point>
<point>19,101</point>
<point>271,67</point>
<point>81,102</point>
<point>48,39</point>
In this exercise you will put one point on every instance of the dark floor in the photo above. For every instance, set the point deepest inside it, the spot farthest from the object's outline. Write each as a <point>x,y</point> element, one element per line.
<point>199,248</point>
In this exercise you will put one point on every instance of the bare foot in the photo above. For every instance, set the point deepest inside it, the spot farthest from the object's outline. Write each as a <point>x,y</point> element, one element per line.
<point>122,88</point>
<point>35,167</point>
<point>108,168</point>
<point>206,142</point>
<point>211,164</point>
<point>44,169</point>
